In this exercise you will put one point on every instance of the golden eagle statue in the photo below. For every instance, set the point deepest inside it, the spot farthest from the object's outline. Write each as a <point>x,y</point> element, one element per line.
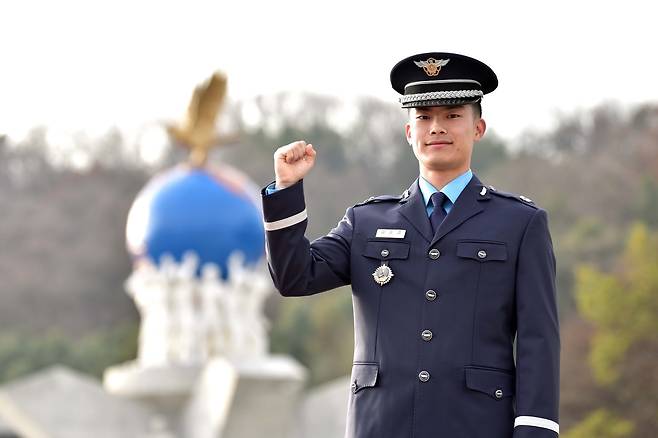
<point>197,131</point>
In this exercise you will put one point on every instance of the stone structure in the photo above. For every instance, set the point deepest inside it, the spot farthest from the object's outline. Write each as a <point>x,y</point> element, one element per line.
<point>199,282</point>
<point>60,403</point>
<point>196,235</point>
<point>187,320</point>
<point>203,360</point>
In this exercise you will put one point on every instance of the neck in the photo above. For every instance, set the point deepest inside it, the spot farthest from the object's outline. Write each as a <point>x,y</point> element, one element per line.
<point>439,178</point>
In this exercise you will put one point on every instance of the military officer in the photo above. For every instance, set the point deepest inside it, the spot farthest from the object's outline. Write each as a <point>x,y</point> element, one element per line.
<point>445,277</point>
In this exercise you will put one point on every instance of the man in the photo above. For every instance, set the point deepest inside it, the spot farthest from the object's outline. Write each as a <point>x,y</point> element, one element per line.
<point>444,276</point>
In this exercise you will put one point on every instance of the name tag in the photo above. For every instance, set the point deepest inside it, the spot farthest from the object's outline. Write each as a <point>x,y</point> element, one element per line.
<point>392,234</point>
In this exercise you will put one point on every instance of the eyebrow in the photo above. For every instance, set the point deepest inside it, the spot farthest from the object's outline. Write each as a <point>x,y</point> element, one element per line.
<point>446,107</point>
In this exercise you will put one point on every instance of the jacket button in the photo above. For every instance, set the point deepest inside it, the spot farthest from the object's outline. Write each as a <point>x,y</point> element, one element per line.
<point>499,393</point>
<point>482,254</point>
<point>426,335</point>
<point>384,253</point>
<point>354,386</point>
<point>423,376</point>
<point>430,295</point>
<point>434,253</point>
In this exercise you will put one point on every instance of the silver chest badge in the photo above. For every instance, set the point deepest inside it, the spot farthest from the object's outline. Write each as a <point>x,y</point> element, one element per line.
<point>383,274</point>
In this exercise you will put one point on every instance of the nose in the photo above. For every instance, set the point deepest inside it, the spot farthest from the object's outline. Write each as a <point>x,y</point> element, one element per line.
<point>437,127</point>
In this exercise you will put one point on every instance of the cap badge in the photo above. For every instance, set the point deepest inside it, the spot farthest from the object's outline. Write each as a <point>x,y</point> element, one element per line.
<point>432,66</point>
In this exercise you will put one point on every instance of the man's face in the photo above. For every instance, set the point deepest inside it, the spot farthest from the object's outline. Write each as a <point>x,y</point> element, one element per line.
<point>442,137</point>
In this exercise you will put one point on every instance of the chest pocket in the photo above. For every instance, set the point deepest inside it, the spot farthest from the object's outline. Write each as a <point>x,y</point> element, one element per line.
<point>386,250</point>
<point>482,251</point>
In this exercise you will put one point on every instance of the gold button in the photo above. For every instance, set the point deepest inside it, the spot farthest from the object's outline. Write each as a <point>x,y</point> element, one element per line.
<point>434,253</point>
<point>482,254</point>
<point>499,393</point>
<point>430,295</point>
<point>426,335</point>
<point>423,376</point>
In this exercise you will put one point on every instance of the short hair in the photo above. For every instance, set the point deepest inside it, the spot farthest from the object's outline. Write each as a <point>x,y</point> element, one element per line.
<point>477,108</point>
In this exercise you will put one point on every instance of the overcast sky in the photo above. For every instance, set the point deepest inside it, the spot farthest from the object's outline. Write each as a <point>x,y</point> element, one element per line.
<point>88,65</point>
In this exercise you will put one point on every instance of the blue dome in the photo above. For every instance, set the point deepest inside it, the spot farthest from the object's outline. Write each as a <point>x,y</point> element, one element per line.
<point>210,212</point>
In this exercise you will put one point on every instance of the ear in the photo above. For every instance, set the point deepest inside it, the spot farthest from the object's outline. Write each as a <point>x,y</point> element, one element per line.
<point>480,129</point>
<point>407,131</point>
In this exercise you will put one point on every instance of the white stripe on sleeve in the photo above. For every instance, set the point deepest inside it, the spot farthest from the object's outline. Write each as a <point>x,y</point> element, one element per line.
<point>526,420</point>
<point>287,222</point>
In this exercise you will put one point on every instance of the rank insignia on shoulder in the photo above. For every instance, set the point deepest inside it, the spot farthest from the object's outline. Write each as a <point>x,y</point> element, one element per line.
<point>377,199</point>
<point>524,199</point>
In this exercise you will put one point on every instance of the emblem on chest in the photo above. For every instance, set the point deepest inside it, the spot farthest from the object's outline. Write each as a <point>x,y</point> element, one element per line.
<point>383,274</point>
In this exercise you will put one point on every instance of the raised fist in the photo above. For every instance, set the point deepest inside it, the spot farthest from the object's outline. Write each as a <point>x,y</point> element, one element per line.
<point>292,162</point>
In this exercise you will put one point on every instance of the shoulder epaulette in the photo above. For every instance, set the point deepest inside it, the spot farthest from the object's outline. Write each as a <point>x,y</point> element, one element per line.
<point>523,199</point>
<point>381,198</point>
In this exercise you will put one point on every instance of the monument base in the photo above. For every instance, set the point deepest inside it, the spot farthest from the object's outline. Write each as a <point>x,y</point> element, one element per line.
<point>224,398</point>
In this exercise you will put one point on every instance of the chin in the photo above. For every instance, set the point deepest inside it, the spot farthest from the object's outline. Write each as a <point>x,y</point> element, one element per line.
<point>442,165</point>
<point>438,163</point>
<point>439,167</point>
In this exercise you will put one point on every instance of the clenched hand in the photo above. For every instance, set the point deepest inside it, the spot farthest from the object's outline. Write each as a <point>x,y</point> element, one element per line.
<point>292,162</point>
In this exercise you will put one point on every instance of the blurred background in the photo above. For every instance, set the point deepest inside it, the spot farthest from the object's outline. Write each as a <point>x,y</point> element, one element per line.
<point>86,87</point>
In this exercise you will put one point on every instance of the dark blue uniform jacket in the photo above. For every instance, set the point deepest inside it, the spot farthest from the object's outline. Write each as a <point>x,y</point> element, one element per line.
<point>434,346</point>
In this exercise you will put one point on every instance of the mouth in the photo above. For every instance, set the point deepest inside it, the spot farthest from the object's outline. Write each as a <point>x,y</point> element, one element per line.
<point>438,143</point>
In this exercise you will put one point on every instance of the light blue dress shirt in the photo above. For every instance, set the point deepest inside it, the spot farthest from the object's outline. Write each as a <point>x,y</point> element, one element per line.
<point>270,189</point>
<point>452,190</point>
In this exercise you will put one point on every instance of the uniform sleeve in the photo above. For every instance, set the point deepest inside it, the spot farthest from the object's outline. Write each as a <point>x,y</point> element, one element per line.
<point>538,334</point>
<point>297,266</point>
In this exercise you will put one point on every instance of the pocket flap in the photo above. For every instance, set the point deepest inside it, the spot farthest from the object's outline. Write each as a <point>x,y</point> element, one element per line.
<point>482,251</point>
<point>386,250</point>
<point>497,384</point>
<point>364,375</point>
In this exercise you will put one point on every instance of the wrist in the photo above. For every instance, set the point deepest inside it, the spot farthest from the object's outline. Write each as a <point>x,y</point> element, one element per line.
<point>282,184</point>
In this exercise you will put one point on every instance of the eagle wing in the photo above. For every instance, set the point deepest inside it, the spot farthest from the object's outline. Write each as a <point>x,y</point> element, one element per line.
<point>206,102</point>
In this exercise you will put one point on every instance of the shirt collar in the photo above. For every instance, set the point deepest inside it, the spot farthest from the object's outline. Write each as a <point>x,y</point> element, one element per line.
<point>452,190</point>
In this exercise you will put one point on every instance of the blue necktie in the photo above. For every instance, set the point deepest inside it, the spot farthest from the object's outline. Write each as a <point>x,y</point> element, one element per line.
<point>438,214</point>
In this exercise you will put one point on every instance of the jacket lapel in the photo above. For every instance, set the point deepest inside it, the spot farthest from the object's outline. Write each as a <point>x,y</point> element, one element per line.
<point>466,206</point>
<point>413,209</point>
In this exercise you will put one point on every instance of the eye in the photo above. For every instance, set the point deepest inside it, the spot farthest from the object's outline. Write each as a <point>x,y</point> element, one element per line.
<point>422,117</point>
<point>454,115</point>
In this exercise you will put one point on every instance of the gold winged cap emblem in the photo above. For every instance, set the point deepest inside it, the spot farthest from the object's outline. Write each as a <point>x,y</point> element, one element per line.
<point>432,66</point>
